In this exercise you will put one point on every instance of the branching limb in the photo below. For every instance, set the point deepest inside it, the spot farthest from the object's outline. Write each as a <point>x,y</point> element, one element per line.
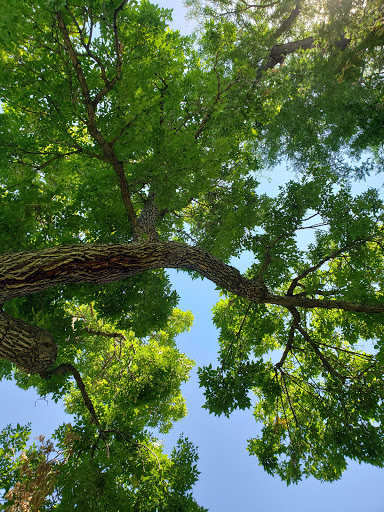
<point>288,397</point>
<point>106,148</point>
<point>288,347</point>
<point>326,364</point>
<point>86,46</point>
<point>329,257</point>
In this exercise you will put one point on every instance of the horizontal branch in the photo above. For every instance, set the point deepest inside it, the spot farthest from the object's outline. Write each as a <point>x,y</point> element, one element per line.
<point>280,51</point>
<point>24,273</point>
<point>29,272</point>
<point>305,302</point>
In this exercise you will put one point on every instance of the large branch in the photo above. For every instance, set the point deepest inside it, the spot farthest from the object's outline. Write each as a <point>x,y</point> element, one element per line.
<point>280,51</point>
<point>288,22</point>
<point>29,272</point>
<point>93,130</point>
<point>25,273</point>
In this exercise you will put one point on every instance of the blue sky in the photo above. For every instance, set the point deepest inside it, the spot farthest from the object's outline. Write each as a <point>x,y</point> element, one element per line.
<point>230,480</point>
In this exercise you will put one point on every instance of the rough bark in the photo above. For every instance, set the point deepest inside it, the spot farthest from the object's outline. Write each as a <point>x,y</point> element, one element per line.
<point>29,347</point>
<point>280,51</point>
<point>30,272</point>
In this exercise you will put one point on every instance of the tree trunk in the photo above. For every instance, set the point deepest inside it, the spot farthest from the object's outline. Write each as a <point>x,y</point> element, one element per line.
<point>30,348</point>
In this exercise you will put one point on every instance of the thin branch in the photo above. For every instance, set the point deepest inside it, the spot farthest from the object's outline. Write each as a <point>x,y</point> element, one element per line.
<point>237,335</point>
<point>288,346</point>
<point>140,445</point>
<point>65,368</point>
<point>240,10</point>
<point>284,411</point>
<point>122,131</point>
<point>89,53</point>
<point>300,385</point>
<point>57,157</point>
<point>320,355</point>
<point>215,102</point>
<point>364,356</point>
<point>110,335</point>
<point>109,84</point>
<point>289,398</point>
<point>92,124</point>
<point>331,256</point>
<point>267,254</point>
<point>268,257</point>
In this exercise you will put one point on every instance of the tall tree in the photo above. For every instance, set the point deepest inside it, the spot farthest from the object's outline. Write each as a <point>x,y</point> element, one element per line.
<point>128,149</point>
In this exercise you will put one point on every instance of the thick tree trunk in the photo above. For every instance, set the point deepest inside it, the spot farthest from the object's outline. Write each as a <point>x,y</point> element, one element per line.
<point>29,347</point>
<point>33,349</point>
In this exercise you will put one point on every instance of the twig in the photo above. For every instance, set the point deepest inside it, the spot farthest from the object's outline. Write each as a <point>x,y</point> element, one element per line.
<point>237,336</point>
<point>289,398</point>
<point>288,346</point>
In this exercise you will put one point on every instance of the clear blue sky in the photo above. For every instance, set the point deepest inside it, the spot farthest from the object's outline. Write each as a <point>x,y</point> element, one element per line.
<point>230,480</point>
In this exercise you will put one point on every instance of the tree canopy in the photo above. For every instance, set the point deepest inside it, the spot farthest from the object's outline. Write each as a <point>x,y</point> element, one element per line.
<point>128,149</point>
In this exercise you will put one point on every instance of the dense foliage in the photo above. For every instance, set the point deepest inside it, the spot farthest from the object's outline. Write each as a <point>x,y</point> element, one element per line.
<point>117,130</point>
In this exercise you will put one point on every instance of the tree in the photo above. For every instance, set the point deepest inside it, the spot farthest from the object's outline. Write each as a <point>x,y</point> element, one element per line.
<point>129,149</point>
<point>129,387</point>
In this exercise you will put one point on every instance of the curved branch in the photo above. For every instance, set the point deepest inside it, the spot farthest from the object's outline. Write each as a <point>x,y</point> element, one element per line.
<point>29,272</point>
<point>25,273</point>
<point>288,347</point>
<point>280,51</point>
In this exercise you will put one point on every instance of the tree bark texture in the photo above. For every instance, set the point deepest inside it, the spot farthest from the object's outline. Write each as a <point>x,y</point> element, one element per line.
<point>30,272</point>
<point>29,347</point>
